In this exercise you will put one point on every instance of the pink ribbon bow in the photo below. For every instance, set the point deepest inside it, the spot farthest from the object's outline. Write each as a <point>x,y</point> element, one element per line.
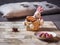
<point>40,9</point>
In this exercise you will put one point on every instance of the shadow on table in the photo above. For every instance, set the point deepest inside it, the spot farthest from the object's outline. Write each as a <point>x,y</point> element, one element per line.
<point>52,40</point>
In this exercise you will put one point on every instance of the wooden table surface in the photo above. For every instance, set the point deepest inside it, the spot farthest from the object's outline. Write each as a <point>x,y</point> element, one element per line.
<point>16,40</point>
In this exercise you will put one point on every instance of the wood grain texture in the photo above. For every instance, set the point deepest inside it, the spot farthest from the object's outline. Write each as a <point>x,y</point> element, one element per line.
<point>28,40</point>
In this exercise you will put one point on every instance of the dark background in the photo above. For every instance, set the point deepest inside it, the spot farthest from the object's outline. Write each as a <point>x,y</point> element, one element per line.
<point>52,17</point>
<point>57,2</point>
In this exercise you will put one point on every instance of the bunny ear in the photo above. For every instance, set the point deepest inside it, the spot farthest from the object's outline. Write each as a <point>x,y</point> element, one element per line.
<point>40,9</point>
